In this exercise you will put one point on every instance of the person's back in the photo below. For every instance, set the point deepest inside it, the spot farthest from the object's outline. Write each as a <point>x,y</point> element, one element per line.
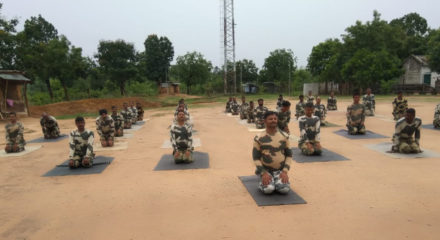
<point>369,102</point>
<point>181,139</point>
<point>14,137</point>
<point>49,126</point>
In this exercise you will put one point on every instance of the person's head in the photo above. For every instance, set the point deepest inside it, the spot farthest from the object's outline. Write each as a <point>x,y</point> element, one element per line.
<point>410,115</point>
<point>271,119</point>
<point>125,105</point>
<point>234,99</point>
<point>182,101</point>
<point>368,91</point>
<point>230,98</point>
<point>180,116</point>
<point>181,108</point>
<point>301,98</point>
<point>243,99</point>
<point>318,100</point>
<point>12,116</point>
<point>332,93</point>
<point>251,103</point>
<point>309,109</point>
<point>44,115</point>
<point>399,94</point>
<point>280,97</point>
<point>181,105</point>
<point>103,113</point>
<point>114,109</point>
<point>260,102</point>
<point>138,104</point>
<point>285,106</point>
<point>80,123</point>
<point>356,97</point>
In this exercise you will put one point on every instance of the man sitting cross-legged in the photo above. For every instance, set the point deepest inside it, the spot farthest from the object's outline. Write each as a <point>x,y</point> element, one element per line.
<point>406,127</point>
<point>272,156</point>
<point>14,135</point>
<point>356,116</point>
<point>181,139</point>
<point>309,127</point>
<point>119,122</point>
<point>81,145</point>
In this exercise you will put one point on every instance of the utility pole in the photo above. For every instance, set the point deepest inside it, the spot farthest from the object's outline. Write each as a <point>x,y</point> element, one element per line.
<point>228,40</point>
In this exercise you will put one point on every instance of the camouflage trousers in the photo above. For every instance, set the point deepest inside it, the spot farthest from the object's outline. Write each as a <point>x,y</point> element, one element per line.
<point>250,118</point>
<point>51,133</point>
<point>78,161</point>
<point>127,124</point>
<point>310,152</point>
<point>228,110</point>
<point>9,148</point>
<point>275,184</point>
<point>398,115</point>
<point>140,116</point>
<point>106,137</point>
<point>243,115</point>
<point>134,120</point>
<point>182,158</point>
<point>369,111</point>
<point>259,124</point>
<point>436,123</point>
<point>332,107</point>
<point>355,130</point>
<point>119,131</point>
<point>407,146</point>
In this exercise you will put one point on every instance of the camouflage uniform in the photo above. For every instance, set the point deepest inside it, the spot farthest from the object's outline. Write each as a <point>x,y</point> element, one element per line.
<point>50,127</point>
<point>356,119</point>
<point>14,135</point>
<point>81,145</point>
<point>279,103</point>
<point>250,112</point>
<point>320,112</point>
<point>299,109</point>
<point>309,128</point>
<point>119,124</point>
<point>187,117</point>
<point>436,121</point>
<point>403,140</point>
<point>259,116</point>
<point>283,119</point>
<point>140,113</point>
<point>310,99</point>
<point>228,106</point>
<point>399,108</point>
<point>272,155</point>
<point>243,110</point>
<point>235,108</point>
<point>105,128</point>
<point>134,114</point>
<point>369,103</point>
<point>181,139</point>
<point>127,115</point>
<point>331,103</point>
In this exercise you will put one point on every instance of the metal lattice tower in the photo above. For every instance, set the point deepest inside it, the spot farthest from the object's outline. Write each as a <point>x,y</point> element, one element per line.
<point>227,26</point>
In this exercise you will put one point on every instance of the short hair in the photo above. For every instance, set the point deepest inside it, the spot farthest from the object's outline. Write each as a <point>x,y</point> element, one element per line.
<point>260,99</point>
<point>285,103</point>
<point>180,111</point>
<point>79,119</point>
<point>411,111</point>
<point>251,102</point>
<point>269,113</point>
<point>102,111</point>
<point>356,93</point>
<point>113,106</point>
<point>12,113</point>
<point>281,95</point>
<point>310,105</point>
<point>301,96</point>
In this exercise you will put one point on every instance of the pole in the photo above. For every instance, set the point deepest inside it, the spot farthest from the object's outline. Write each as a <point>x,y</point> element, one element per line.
<point>289,81</point>
<point>241,77</point>
<point>225,66</point>
<point>233,49</point>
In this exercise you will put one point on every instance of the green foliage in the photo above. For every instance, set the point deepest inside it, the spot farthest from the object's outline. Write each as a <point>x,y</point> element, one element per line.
<point>142,88</point>
<point>277,68</point>
<point>155,61</point>
<point>193,70</point>
<point>434,50</point>
<point>300,77</point>
<point>386,87</point>
<point>7,42</point>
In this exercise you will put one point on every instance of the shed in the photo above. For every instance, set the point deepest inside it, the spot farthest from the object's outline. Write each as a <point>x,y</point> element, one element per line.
<point>249,88</point>
<point>13,85</point>
<point>271,87</point>
<point>418,76</point>
<point>169,88</point>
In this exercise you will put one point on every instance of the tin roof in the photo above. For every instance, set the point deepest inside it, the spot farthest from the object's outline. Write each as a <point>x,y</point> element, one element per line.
<point>13,76</point>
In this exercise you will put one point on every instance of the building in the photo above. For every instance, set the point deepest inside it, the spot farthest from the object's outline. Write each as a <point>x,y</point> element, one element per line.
<point>13,85</point>
<point>418,77</point>
<point>249,88</point>
<point>169,88</point>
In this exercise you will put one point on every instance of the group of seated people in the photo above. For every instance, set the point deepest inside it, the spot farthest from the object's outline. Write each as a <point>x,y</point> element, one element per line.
<point>181,135</point>
<point>319,109</point>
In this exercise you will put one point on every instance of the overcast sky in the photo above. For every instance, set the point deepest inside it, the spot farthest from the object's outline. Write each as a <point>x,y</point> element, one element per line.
<point>194,25</point>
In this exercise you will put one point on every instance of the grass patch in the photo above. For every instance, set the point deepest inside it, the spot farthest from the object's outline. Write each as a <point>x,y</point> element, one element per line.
<point>73,116</point>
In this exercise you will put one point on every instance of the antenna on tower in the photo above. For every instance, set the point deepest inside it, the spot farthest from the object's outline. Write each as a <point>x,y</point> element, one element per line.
<point>227,31</point>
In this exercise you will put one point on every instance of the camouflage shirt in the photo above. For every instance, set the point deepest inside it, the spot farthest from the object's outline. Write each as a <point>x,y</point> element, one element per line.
<point>118,120</point>
<point>331,101</point>
<point>310,99</point>
<point>48,123</point>
<point>250,112</point>
<point>81,144</point>
<point>127,114</point>
<point>283,119</point>
<point>400,106</point>
<point>14,133</point>
<point>368,101</point>
<point>235,106</point>
<point>181,137</point>
<point>355,114</point>
<point>134,112</point>
<point>405,130</point>
<point>309,128</point>
<point>244,107</point>
<point>105,126</point>
<point>260,111</point>
<point>140,111</point>
<point>320,111</point>
<point>271,152</point>
<point>299,109</point>
<point>437,112</point>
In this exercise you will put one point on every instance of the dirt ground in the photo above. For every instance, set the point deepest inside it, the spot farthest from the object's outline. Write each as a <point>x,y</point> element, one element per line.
<point>372,196</point>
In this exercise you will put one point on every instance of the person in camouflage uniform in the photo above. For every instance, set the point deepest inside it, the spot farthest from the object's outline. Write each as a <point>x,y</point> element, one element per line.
<point>235,107</point>
<point>259,114</point>
<point>309,127</point>
<point>182,101</point>
<point>400,105</point>
<point>228,105</point>
<point>332,102</point>
<point>243,108</point>
<point>250,113</point>
<point>320,111</point>
<point>299,108</point>
<point>105,127</point>
<point>369,103</point>
<point>134,114</point>
<point>310,97</point>
<point>272,157</point>
<point>279,102</point>
<point>49,126</point>
<point>436,121</point>
<point>81,145</point>
<point>284,117</point>
<point>356,116</point>
<point>181,140</point>
<point>14,135</point>
<point>181,109</point>
<point>140,111</point>
<point>119,122</point>
<point>406,127</point>
<point>127,115</point>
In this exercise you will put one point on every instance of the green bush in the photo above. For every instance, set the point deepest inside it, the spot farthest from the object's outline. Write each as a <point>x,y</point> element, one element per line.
<point>386,87</point>
<point>142,88</point>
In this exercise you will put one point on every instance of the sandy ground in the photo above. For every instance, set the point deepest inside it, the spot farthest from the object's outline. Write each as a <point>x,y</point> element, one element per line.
<point>372,196</point>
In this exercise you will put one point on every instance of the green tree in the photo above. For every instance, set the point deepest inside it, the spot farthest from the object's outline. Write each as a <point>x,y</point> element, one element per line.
<point>247,71</point>
<point>155,61</point>
<point>434,50</point>
<point>416,29</point>
<point>192,68</point>
<point>277,68</point>
<point>117,61</point>
<point>7,42</point>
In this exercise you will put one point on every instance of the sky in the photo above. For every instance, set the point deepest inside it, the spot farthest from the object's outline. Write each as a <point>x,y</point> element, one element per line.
<point>194,25</point>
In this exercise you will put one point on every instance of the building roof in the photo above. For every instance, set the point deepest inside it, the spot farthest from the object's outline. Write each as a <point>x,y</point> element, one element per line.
<point>11,75</point>
<point>421,59</point>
